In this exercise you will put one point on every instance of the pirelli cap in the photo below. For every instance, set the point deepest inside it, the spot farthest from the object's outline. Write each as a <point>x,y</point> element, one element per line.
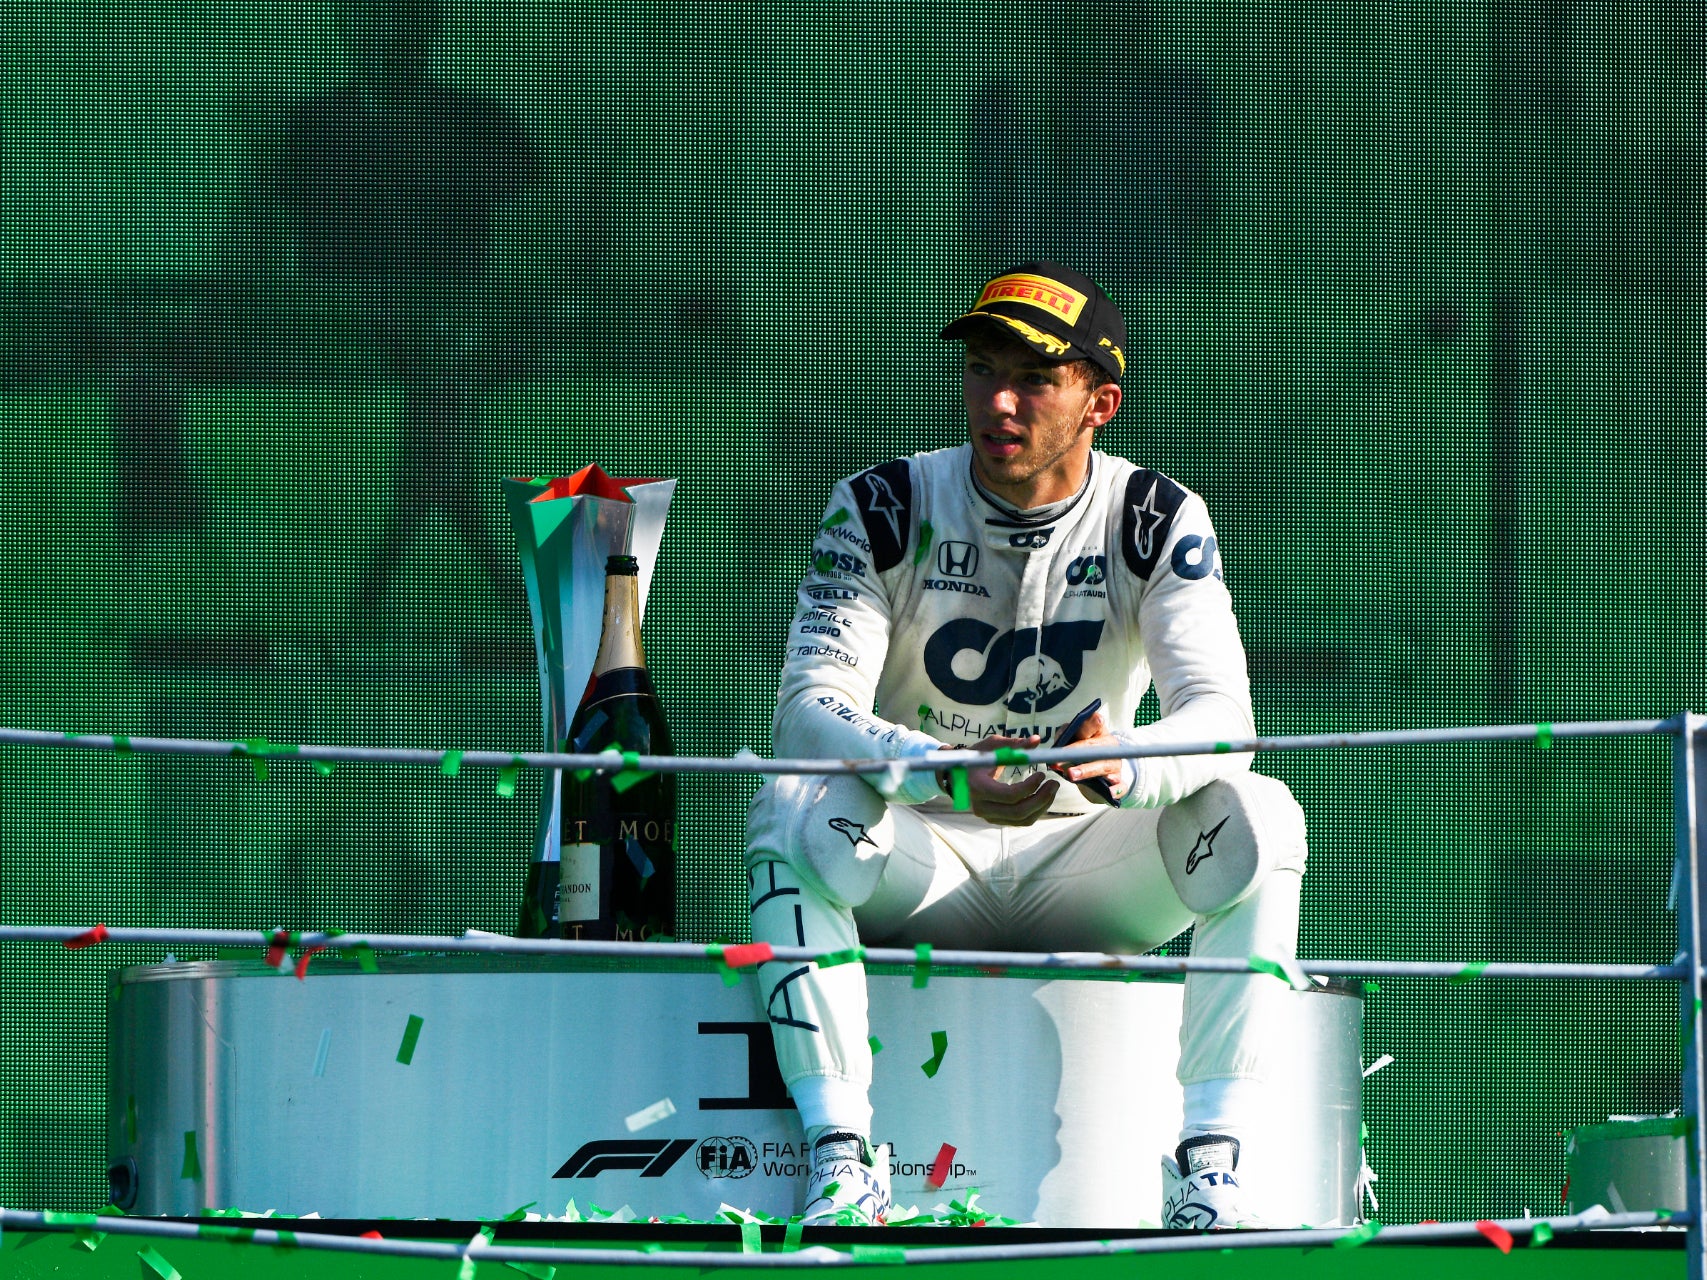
<point>1056,312</point>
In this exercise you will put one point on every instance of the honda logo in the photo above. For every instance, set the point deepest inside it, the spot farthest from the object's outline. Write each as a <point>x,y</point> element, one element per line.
<point>957,559</point>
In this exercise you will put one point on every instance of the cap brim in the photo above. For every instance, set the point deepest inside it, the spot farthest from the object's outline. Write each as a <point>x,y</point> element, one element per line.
<point>1046,345</point>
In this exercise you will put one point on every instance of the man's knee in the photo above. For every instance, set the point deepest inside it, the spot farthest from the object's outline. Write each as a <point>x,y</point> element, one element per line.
<point>1221,842</point>
<point>833,829</point>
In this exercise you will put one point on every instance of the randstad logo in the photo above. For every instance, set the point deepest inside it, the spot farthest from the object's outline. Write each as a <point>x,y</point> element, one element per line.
<point>1038,292</point>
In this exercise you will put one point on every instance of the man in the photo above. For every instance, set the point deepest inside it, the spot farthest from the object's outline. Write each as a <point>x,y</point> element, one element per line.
<point>983,595</point>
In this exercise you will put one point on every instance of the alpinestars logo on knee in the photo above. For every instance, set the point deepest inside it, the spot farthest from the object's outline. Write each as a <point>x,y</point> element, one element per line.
<point>1204,848</point>
<point>854,831</point>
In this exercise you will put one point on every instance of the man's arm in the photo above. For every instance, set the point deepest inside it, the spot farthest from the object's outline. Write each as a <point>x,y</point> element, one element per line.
<point>839,639</point>
<point>1197,660</point>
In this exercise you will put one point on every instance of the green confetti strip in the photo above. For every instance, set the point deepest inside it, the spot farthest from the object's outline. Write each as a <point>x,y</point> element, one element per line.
<point>121,744</point>
<point>892,1255</point>
<point>1469,973</point>
<point>840,518</point>
<point>1223,748</point>
<point>925,535</point>
<point>853,955</point>
<point>366,958</point>
<point>86,1239</point>
<point>506,786</point>
<point>450,764</point>
<point>631,772</point>
<point>939,1046</point>
<point>519,1215</point>
<point>1261,965</point>
<point>411,1034</point>
<point>538,1270</point>
<point>192,1163</point>
<point>1361,1236</point>
<point>791,1237</point>
<point>921,965</point>
<point>468,1268</point>
<point>130,1118</point>
<point>154,1266</point>
<point>875,1043</point>
<point>959,790</point>
<point>1011,755</point>
<point>751,1240</point>
<point>1543,737</point>
<point>1540,1236</point>
<point>323,768</point>
<point>219,1231</point>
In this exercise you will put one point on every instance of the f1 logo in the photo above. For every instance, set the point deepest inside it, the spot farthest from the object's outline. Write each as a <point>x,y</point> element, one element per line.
<point>957,559</point>
<point>652,1156</point>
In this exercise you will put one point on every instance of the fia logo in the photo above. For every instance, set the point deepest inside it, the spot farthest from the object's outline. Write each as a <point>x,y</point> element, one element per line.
<point>727,1157</point>
<point>957,559</point>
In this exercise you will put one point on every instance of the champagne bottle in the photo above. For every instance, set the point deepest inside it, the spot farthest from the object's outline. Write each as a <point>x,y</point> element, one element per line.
<point>617,874</point>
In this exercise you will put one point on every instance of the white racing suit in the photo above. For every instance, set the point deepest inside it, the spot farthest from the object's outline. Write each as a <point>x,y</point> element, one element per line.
<point>930,617</point>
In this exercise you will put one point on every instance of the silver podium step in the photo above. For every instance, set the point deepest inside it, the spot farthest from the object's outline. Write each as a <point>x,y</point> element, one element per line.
<point>467,1087</point>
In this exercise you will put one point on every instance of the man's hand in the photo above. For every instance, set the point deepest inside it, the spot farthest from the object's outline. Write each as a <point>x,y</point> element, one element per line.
<point>1009,804</point>
<point>1094,733</point>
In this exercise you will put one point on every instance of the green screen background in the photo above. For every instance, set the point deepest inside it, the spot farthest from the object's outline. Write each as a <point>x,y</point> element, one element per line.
<point>1413,292</point>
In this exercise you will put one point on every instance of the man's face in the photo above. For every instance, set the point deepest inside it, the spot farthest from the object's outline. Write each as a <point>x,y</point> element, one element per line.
<point>1030,421</point>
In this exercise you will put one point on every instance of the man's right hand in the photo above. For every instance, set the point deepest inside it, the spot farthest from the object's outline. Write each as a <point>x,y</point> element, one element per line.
<point>1009,804</point>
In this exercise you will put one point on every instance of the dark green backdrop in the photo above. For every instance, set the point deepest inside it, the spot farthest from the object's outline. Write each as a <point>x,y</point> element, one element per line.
<point>1414,299</point>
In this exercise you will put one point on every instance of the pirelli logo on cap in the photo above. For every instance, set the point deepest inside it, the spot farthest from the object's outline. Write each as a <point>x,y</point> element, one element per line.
<point>1036,290</point>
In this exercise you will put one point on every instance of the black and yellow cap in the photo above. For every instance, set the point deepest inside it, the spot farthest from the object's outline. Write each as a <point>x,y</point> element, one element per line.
<point>1055,311</point>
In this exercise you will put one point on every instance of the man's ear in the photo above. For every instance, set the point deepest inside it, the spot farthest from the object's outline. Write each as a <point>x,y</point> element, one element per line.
<point>1105,402</point>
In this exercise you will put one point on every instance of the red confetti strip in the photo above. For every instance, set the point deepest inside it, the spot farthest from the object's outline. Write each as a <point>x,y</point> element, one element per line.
<point>739,957</point>
<point>372,1235</point>
<point>87,938</point>
<point>939,1170</point>
<point>1497,1235</point>
<point>276,949</point>
<point>303,959</point>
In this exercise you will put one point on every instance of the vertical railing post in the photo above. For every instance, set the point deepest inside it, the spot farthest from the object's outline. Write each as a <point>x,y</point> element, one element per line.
<point>1690,885</point>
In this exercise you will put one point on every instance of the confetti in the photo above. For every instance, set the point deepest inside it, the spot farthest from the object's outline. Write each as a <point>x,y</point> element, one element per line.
<point>192,1167</point>
<point>1360,1236</point>
<point>303,959</point>
<point>451,764</point>
<point>745,954</point>
<point>153,1262</point>
<point>1385,1060</point>
<point>411,1034</point>
<point>88,938</point>
<point>939,1045</point>
<point>506,784</point>
<point>940,1168</point>
<point>660,1110</point>
<point>1543,742</point>
<point>1540,1236</point>
<point>873,1041</point>
<point>321,1051</point>
<point>921,965</point>
<point>959,789</point>
<point>751,1240</point>
<point>1469,973</point>
<point>1497,1235</point>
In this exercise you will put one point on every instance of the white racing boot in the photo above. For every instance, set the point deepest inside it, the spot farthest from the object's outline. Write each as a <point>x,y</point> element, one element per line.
<point>1200,1187</point>
<point>849,1183</point>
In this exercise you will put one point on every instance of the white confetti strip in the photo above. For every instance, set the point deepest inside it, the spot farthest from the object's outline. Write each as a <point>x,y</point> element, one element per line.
<point>1385,1060</point>
<point>320,1053</point>
<point>662,1109</point>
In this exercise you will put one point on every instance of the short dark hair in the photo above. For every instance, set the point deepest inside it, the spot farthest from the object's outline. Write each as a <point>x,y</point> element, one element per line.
<point>1085,373</point>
